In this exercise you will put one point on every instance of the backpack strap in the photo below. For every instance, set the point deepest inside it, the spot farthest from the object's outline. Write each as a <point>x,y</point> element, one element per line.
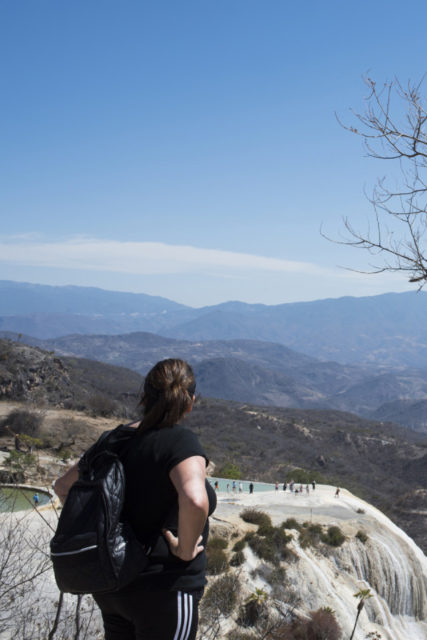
<point>116,441</point>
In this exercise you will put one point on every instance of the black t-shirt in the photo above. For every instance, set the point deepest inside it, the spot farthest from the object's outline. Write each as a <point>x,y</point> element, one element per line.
<point>151,504</point>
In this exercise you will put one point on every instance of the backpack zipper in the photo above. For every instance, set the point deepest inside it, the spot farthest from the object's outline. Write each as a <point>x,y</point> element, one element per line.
<point>72,553</point>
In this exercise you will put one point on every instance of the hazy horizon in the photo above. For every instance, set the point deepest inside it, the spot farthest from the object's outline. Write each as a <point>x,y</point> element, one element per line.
<point>202,306</point>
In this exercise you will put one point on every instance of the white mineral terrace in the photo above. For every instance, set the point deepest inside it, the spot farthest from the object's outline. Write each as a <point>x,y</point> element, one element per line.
<point>390,563</point>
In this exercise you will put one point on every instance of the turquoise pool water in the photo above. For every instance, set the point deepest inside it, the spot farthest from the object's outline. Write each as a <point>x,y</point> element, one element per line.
<point>17,499</point>
<point>225,485</point>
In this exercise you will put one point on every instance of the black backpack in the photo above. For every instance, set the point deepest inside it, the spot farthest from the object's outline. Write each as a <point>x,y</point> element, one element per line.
<point>92,550</point>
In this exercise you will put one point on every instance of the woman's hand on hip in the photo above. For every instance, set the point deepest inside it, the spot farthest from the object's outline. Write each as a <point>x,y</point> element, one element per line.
<point>177,551</point>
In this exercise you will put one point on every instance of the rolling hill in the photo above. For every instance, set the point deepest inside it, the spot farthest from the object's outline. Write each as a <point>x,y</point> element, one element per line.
<point>384,330</point>
<point>260,372</point>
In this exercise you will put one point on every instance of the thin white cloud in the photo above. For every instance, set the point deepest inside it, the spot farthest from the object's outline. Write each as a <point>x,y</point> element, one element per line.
<point>97,256</point>
<point>142,258</point>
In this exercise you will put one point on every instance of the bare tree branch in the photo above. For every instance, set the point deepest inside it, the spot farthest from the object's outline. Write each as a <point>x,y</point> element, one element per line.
<point>394,127</point>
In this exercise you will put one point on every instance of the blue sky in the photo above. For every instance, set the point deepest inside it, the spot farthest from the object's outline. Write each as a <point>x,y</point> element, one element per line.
<point>191,149</point>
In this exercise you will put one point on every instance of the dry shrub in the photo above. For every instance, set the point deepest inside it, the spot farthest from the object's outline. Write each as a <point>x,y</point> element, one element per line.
<point>217,561</point>
<point>22,421</point>
<point>237,559</point>
<point>291,523</point>
<point>334,537</point>
<point>216,542</point>
<point>362,536</point>
<point>321,625</point>
<point>221,596</point>
<point>100,404</point>
<point>253,516</point>
<point>239,545</point>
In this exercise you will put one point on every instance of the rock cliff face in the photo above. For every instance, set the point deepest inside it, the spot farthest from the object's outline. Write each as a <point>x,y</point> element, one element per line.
<point>28,373</point>
<point>388,562</point>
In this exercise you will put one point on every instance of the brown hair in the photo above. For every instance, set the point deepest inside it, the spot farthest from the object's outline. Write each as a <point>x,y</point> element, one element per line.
<point>168,393</point>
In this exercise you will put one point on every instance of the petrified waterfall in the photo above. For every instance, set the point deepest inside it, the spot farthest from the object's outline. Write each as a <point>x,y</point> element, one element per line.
<point>392,569</point>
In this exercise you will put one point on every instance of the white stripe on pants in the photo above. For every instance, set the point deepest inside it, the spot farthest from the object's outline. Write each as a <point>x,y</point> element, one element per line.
<point>185,616</point>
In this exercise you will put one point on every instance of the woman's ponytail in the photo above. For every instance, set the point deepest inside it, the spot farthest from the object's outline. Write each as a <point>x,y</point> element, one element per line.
<point>168,393</point>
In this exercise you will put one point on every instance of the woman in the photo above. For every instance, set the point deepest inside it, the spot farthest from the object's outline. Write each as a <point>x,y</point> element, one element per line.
<point>167,503</point>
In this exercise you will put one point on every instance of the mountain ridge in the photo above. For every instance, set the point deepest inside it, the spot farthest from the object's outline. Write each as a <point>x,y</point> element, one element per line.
<point>387,329</point>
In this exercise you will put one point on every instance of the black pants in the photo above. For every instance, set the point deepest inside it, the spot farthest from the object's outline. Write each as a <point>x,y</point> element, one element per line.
<point>149,615</point>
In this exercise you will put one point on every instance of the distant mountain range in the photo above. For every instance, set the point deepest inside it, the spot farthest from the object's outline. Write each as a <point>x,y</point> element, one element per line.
<point>365,355</point>
<point>386,330</point>
<point>262,373</point>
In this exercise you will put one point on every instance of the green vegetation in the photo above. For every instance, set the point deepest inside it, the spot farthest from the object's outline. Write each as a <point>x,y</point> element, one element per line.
<point>300,476</point>
<point>237,559</point>
<point>64,454</point>
<point>291,523</point>
<point>239,545</point>
<point>217,543</point>
<point>20,461</point>
<point>334,537</point>
<point>261,547</point>
<point>271,545</point>
<point>253,516</point>
<point>312,534</point>
<point>362,595</point>
<point>268,543</point>
<point>253,609</point>
<point>230,470</point>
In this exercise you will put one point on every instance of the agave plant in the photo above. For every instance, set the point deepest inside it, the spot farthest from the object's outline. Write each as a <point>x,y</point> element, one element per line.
<point>363,595</point>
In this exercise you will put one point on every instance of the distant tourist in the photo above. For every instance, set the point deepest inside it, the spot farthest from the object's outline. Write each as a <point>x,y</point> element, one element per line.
<point>251,487</point>
<point>233,486</point>
<point>228,487</point>
<point>36,498</point>
<point>216,485</point>
<point>337,492</point>
<point>307,488</point>
<point>285,486</point>
<point>313,484</point>
<point>276,486</point>
<point>240,487</point>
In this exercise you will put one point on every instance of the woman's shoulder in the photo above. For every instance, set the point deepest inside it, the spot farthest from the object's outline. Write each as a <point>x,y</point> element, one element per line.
<point>180,442</point>
<point>177,433</point>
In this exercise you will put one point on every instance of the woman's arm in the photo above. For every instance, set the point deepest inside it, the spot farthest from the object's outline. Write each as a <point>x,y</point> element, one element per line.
<point>188,478</point>
<point>64,483</point>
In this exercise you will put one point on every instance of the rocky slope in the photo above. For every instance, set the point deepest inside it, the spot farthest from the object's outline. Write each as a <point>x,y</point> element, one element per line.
<point>261,372</point>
